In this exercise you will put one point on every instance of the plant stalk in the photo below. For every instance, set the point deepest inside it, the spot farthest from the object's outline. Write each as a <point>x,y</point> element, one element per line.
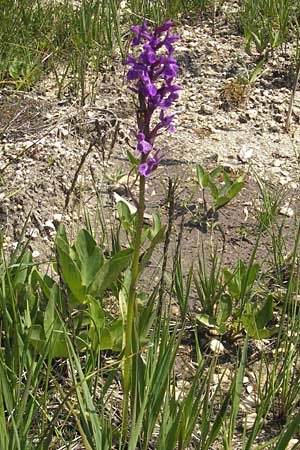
<point>131,307</point>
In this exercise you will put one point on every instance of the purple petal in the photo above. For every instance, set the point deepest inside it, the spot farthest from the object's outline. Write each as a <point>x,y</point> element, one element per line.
<point>149,88</point>
<point>155,43</point>
<point>143,146</point>
<point>130,60</point>
<point>151,164</point>
<point>170,71</point>
<point>135,29</point>
<point>141,33</point>
<point>144,170</point>
<point>164,27</point>
<point>148,57</point>
<point>132,74</point>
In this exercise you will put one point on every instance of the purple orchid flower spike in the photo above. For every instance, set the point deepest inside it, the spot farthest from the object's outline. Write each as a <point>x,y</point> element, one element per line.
<point>151,76</point>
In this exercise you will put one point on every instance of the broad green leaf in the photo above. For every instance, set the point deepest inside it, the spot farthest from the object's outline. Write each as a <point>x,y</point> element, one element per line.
<point>118,198</point>
<point>61,240</point>
<point>126,216</point>
<point>72,276</point>
<point>213,189</point>
<point>62,245</point>
<point>249,324</point>
<point>58,345</point>
<point>62,234</point>
<point>90,256</point>
<point>123,294</point>
<point>265,314</point>
<point>252,273</point>
<point>21,271</point>
<point>109,272</point>
<point>227,179</point>
<point>227,193</point>
<point>207,320</point>
<point>202,176</point>
<point>233,281</point>
<point>37,336</point>
<point>106,342</point>
<point>225,309</point>
<point>116,334</point>
<point>255,320</point>
<point>84,244</point>
<point>216,173</point>
<point>223,191</point>
<point>258,70</point>
<point>221,201</point>
<point>124,212</point>
<point>97,320</point>
<point>156,227</point>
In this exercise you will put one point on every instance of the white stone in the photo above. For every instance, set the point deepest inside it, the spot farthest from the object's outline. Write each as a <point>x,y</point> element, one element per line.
<point>293,444</point>
<point>249,389</point>
<point>284,180</point>
<point>33,233</point>
<point>49,224</point>
<point>286,211</point>
<point>57,217</point>
<point>216,346</point>
<point>64,132</point>
<point>245,153</point>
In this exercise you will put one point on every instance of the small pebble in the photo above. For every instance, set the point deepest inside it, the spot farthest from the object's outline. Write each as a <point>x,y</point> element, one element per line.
<point>286,211</point>
<point>216,346</point>
<point>57,217</point>
<point>245,153</point>
<point>49,224</point>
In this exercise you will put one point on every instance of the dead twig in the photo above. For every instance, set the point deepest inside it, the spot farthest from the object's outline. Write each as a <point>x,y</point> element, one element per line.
<point>82,161</point>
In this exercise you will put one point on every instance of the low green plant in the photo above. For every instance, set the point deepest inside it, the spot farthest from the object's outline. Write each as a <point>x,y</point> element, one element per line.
<point>268,25</point>
<point>216,304</point>
<point>222,189</point>
<point>85,275</point>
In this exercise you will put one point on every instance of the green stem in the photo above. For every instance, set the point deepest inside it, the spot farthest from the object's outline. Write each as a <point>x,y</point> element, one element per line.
<point>131,307</point>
